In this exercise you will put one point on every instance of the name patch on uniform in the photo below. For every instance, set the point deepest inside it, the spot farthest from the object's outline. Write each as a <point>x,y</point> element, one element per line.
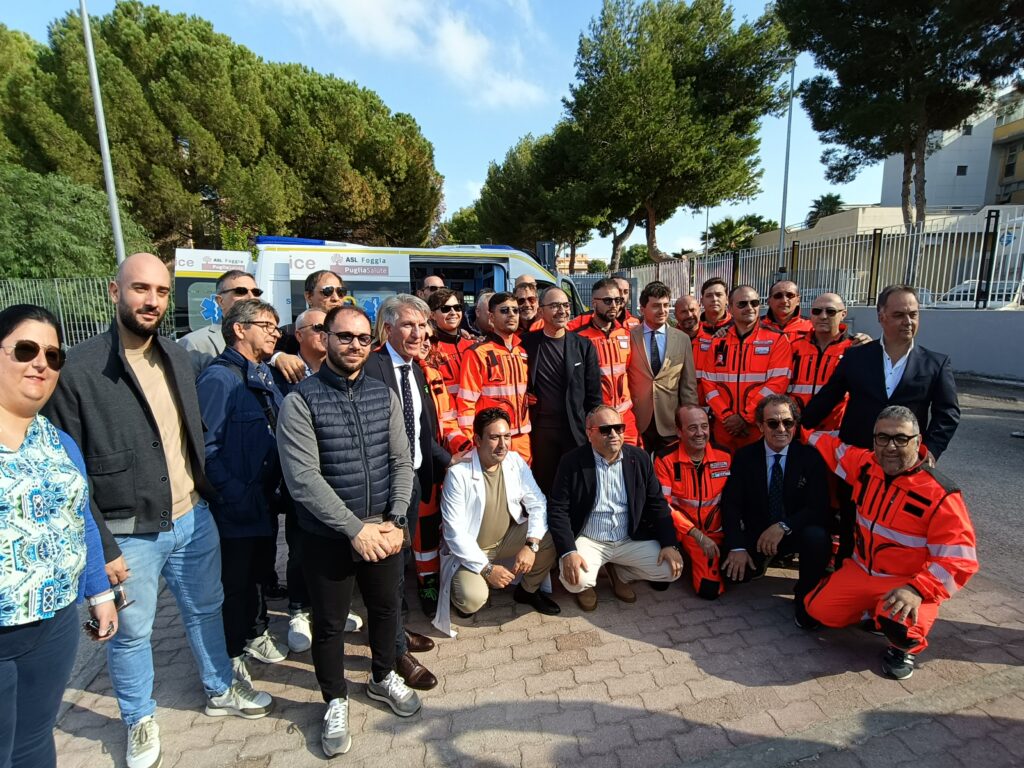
<point>762,350</point>
<point>624,342</point>
<point>719,464</point>
<point>724,473</point>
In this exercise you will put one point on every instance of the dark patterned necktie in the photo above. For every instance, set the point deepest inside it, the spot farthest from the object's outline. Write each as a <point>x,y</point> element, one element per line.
<point>407,411</point>
<point>655,354</point>
<point>775,505</point>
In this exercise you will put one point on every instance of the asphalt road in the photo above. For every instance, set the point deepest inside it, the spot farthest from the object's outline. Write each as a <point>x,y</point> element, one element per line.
<point>988,464</point>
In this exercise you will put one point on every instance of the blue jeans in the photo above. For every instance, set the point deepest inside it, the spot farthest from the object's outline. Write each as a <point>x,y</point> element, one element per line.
<point>188,557</point>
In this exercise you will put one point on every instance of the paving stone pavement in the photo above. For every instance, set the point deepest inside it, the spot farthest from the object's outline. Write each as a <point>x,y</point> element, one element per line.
<point>669,680</point>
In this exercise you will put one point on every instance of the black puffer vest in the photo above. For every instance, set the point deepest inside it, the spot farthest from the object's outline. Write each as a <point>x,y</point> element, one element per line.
<point>351,420</point>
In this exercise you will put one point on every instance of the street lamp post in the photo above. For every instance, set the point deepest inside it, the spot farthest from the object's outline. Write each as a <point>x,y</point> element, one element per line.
<point>101,129</point>
<point>785,171</point>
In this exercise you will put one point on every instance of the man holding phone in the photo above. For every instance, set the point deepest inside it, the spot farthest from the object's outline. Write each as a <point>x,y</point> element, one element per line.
<point>347,464</point>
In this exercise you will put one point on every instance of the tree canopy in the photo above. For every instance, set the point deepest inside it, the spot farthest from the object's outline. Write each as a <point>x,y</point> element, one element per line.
<point>895,72</point>
<point>731,234</point>
<point>203,132</point>
<point>823,206</point>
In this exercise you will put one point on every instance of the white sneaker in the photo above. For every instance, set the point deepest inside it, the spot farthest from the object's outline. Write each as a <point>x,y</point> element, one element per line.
<point>335,738</point>
<point>300,633</point>
<point>144,744</point>
<point>267,649</point>
<point>353,623</point>
<point>240,700</point>
<point>239,671</point>
<point>393,691</point>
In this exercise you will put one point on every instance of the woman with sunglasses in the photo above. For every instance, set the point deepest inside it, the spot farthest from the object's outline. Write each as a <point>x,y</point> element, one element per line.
<point>446,313</point>
<point>48,541</point>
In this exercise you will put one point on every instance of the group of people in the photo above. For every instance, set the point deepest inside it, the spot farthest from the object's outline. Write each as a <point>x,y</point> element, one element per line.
<point>527,447</point>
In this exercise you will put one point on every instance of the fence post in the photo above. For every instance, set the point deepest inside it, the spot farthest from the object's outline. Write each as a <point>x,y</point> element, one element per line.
<point>735,267</point>
<point>988,260</point>
<point>794,260</point>
<point>876,260</point>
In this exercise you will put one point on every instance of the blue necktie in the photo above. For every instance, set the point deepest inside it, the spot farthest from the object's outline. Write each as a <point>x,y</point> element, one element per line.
<point>776,508</point>
<point>408,412</point>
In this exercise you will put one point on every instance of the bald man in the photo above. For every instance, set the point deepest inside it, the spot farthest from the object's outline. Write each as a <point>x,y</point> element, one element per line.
<point>687,312</point>
<point>128,398</point>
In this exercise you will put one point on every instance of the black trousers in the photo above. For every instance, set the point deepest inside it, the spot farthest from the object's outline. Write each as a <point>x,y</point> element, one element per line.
<point>245,610</point>
<point>298,594</point>
<point>813,545</point>
<point>331,573</point>
<point>548,445</point>
<point>652,439</point>
<point>401,646</point>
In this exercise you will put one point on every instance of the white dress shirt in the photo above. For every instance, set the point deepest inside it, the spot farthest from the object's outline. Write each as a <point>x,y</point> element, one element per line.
<point>894,370</point>
<point>417,400</point>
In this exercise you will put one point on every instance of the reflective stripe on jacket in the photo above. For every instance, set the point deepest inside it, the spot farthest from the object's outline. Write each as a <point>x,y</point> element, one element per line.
<point>734,374</point>
<point>812,368</point>
<point>694,493</point>
<point>493,376</point>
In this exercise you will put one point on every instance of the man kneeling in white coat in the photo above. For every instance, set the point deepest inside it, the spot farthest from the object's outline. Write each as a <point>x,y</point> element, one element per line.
<point>493,511</point>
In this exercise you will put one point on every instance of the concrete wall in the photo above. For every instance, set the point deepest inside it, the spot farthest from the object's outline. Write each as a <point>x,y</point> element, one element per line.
<point>983,342</point>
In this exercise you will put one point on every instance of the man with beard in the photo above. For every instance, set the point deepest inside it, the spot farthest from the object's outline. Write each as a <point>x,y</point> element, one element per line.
<point>784,311</point>
<point>128,398</point>
<point>528,302</point>
<point>346,460</point>
<point>687,311</point>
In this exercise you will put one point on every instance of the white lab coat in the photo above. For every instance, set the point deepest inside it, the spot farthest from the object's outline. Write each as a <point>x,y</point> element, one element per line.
<point>462,510</point>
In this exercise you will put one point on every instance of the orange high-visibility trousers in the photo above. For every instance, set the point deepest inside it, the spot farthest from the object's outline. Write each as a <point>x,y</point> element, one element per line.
<point>842,598</point>
<point>707,581</point>
<point>426,544</point>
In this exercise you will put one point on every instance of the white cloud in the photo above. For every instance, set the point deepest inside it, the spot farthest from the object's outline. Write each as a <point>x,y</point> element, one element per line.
<point>430,33</point>
<point>472,188</point>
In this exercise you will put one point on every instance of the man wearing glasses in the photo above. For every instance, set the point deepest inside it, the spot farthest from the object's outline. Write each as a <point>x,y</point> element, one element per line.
<point>739,368</point>
<point>775,503</point>
<point>346,459</point>
<point>607,509</point>
<point>528,303</point>
<point>564,384</point>
<point>784,311</point>
<point>430,285</point>
<point>494,375</point>
<point>206,343</point>
<point>915,539</point>
<point>323,290</point>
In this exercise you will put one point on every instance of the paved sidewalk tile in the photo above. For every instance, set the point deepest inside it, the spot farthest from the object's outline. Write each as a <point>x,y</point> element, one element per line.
<point>669,680</point>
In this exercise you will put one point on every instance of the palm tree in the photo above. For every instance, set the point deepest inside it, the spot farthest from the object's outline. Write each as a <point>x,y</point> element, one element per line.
<point>729,235</point>
<point>824,206</point>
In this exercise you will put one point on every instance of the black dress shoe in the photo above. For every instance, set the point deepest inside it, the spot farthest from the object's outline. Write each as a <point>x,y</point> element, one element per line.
<point>415,674</point>
<point>536,600</point>
<point>659,586</point>
<point>417,643</point>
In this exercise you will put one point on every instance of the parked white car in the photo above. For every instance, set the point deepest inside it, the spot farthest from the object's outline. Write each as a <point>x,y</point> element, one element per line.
<point>963,295</point>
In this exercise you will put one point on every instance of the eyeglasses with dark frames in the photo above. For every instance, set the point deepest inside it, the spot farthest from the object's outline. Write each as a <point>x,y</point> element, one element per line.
<point>314,326</point>
<point>779,295</point>
<point>448,308</point>
<point>329,290</point>
<point>26,351</point>
<point>830,311</point>
<point>743,304</point>
<point>345,338</point>
<point>607,429</point>
<point>786,424</point>
<point>617,301</point>
<point>882,440</point>
<point>242,291</point>
<point>267,326</point>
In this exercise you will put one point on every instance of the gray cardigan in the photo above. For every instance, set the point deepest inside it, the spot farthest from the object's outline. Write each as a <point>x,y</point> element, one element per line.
<point>100,404</point>
<point>203,346</point>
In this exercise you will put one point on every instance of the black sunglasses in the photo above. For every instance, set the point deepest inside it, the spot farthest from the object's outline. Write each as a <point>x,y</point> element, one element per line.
<point>830,311</point>
<point>616,301</point>
<point>450,308</point>
<point>748,303</point>
<point>779,295</point>
<point>788,424</point>
<point>330,290</point>
<point>314,326</point>
<point>508,310</point>
<point>243,291</point>
<point>607,429</point>
<point>345,338</point>
<point>26,351</point>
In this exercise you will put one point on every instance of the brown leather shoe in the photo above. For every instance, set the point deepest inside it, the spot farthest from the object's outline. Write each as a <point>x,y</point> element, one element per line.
<point>417,643</point>
<point>622,590</point>
<point>587,599</point>
<point>415,674</point>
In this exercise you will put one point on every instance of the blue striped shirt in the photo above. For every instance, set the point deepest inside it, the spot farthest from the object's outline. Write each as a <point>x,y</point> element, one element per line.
<point>609,520</point>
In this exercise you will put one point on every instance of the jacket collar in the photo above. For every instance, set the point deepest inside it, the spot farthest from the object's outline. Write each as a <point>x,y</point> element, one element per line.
<point>334,381</point>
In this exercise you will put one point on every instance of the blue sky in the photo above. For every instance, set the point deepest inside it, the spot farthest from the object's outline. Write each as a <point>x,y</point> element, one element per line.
<point>477,75</point>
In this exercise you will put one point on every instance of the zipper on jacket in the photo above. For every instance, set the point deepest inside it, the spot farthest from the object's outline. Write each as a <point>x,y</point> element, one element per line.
<point>871,530</point>
<point>362,449</point>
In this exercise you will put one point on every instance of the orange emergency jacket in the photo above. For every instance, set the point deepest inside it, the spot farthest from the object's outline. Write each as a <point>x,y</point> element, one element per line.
<point>812,368</point>
<point>734,374</point>
<point>629,322</point>
<point>446,357</point>
<point>708,330</point>
<point>449,433</point>
<point>794,328</point>
<point>493,376</point>
<point>693,493</point>
<point>914,525</point>
<point>613,350</point>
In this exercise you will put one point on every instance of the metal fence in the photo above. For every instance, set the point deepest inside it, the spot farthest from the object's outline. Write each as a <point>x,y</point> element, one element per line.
<point>82,304</point>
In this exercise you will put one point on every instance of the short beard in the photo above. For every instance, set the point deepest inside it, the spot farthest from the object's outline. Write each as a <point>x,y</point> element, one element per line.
<point>338,363</point>
<point>130,322</point>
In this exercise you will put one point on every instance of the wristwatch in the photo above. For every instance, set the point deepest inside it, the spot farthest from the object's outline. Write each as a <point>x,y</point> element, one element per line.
<point>534,546</point>
<point>786,530</point>
<point>486,570</point>
<point>399,521</point>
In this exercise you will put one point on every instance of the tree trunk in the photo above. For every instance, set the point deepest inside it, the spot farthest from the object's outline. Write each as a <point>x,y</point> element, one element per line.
<point>908,166</point>
<point>619,242</point>
<point>920,151</point>
<point>572,257</point>
<point>652,233</point>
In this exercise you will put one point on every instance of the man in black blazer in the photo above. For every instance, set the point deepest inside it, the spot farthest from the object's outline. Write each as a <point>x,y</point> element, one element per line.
<point>892,371</point>
<point>776,503</point>
<point>404,320</point>
<point>564,384</point>
<point>607,508</point>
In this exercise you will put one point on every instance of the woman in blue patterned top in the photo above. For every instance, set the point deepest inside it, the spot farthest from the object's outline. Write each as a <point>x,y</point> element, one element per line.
<point>50,549</point>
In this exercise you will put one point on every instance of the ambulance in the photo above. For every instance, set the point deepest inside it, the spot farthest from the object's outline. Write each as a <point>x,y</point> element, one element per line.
<point>281,265</point>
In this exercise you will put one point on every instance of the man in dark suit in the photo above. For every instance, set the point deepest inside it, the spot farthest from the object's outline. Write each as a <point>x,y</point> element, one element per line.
<point>404,318</point>
<point>607,508</point>
<point>564,383</point>
<point>776,502</point>
<point>892,371</point>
